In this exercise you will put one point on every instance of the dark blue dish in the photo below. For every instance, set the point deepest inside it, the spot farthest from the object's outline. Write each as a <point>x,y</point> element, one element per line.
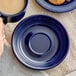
<point>40,42</point>
<point>15,17</point>
<point>69,5</point>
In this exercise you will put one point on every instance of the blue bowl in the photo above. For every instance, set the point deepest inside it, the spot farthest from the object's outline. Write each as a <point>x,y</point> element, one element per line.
<point>15,17</point>
<point>66,7</point>
<point>40,42</point>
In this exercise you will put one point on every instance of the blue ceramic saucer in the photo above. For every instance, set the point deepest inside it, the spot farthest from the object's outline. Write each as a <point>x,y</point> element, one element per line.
<point>40,42</point>
<point>66,7</point>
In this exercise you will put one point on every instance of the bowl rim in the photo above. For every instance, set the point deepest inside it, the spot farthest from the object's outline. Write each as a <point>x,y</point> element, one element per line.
<point>55,10</point>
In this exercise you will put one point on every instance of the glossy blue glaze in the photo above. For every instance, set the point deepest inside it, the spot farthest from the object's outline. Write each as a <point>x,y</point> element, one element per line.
<point>66,7</point>
<point>40,42</point>
<point>15,17</point>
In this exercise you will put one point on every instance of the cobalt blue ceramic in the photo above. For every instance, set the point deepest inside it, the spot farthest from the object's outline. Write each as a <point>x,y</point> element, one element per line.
<point>40,42</point>
<point>15,17</point>
<point>69,5</point>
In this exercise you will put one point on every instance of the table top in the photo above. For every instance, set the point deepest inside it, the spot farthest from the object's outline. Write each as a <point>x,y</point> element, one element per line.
<point>69,22</point>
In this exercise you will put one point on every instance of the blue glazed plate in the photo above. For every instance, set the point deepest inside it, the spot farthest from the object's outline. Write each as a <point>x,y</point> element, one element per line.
<point>40,42</point>
<point>66,7</point>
